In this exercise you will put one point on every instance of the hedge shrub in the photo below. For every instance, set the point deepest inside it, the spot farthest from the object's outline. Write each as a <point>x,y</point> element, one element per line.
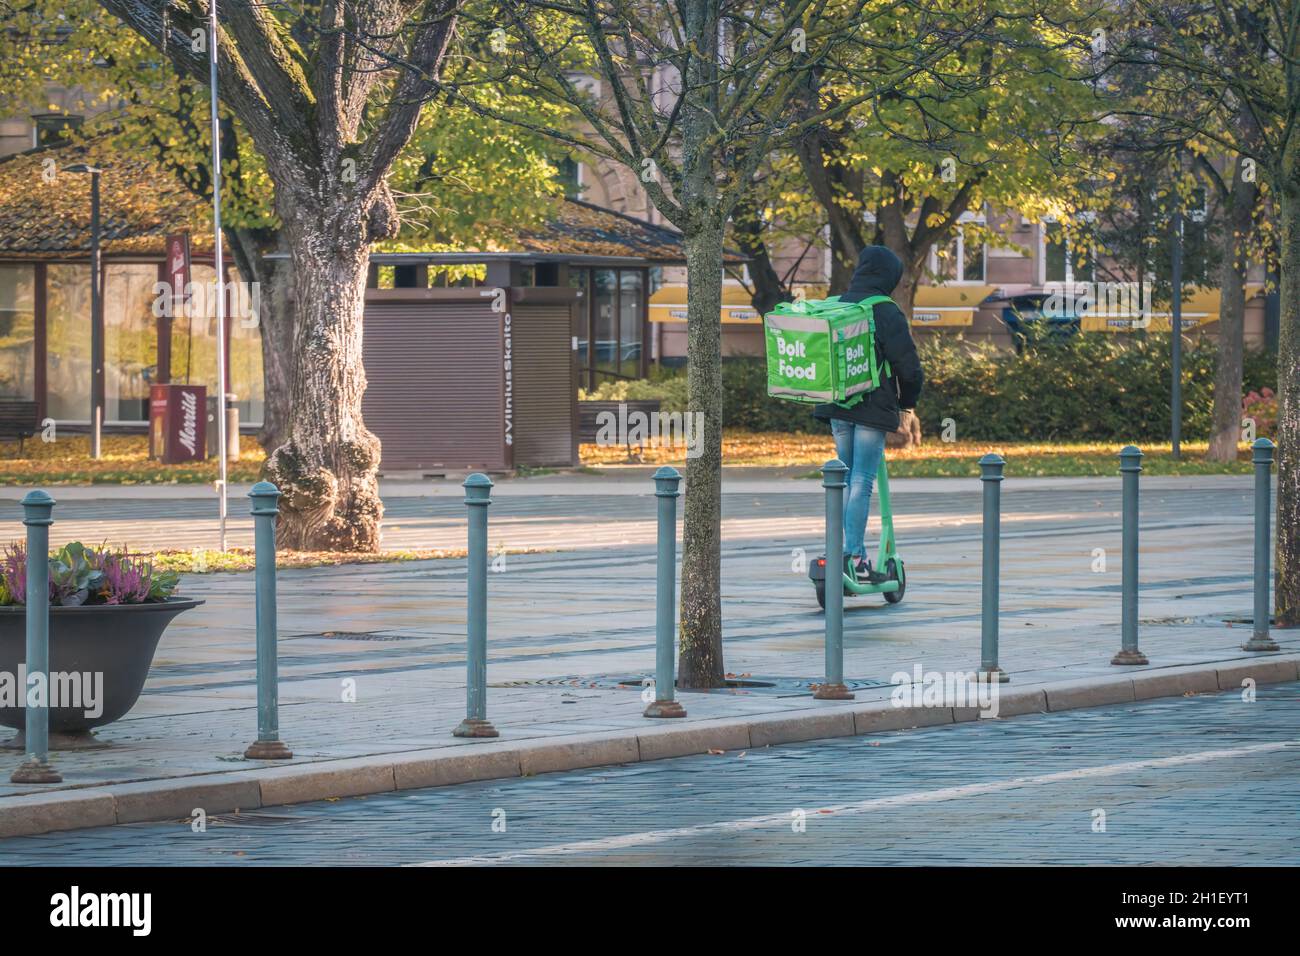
<point>1081,389</point>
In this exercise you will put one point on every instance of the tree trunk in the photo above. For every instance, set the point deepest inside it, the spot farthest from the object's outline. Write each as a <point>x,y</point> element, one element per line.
<point>327,470</point>
<point>1226,429</point>
<point>747,228</point>
<point>700,661</point>
<point>905,292</point>
<point>1287,583</point>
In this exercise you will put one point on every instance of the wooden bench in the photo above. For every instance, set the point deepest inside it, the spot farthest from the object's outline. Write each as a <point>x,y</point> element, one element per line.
<point>589,417</point>
<point>19,420</point>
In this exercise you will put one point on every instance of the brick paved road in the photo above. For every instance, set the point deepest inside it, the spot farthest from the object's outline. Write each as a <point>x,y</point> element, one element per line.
<point>1196,780</point>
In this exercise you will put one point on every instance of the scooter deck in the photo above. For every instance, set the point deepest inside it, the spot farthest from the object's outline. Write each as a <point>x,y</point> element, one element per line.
<point>886,551</point>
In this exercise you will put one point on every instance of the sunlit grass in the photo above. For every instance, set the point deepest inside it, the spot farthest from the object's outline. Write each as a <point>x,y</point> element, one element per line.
<point>124,460</point>
<point>939,459</point>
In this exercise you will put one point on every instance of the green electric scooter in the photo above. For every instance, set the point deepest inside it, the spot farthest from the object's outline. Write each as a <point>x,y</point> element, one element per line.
<point>893,579</point>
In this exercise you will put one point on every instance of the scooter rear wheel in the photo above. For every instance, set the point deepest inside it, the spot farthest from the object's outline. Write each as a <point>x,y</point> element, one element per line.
<point>894,568</point>
<point>821,594</point>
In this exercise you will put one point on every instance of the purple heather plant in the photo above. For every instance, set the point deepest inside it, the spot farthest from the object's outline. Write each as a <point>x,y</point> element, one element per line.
<point>13,574</point>
<point>125,581</point>
<point>81,575</point>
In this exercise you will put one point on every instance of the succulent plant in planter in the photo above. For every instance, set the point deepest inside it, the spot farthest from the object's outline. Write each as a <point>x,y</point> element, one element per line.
<point>108,610</point>
<point>80,575</point>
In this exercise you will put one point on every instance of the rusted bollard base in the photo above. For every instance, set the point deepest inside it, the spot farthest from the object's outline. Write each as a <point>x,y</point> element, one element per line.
<point>832,692</point>
<point>475,727</point>
<point>34,771</point>
<point>1129,657</point>
<point>1258,644</point>
<point>665,708</point>
<point>993,674</point>
<point>268,750</point>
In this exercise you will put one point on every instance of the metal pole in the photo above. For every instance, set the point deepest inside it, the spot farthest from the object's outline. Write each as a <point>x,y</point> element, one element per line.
<point>1130,466</point>
<point>268,746</point>
<point>96,323</point>
<point>1263,458</point>
<point>478,488</point>
<point>37,516</point>
<point>991,466</point>
<point>667,480</point>
<point>1176,343</point>
<point>221,280</point>
<point>834,473</point>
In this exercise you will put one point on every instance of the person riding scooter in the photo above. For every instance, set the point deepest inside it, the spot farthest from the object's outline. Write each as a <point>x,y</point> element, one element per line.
<point>859,431</point>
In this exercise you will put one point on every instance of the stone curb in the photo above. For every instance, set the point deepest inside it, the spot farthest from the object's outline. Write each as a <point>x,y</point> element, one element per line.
<point>501,759</point>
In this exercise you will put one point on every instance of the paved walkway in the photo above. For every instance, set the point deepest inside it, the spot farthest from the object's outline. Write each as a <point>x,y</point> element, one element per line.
<point>1190,781</point>
<point>372,658</point>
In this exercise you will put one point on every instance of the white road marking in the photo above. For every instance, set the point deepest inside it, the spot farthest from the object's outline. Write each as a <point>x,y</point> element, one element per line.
<point>650,837</point>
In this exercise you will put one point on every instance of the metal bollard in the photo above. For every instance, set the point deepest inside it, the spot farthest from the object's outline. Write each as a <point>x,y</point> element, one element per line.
<point>833,480</point>
<point>1263,458</point>
<point>991,466</point>
<point>666,490</point>
<point>268,746</point>
<point>478,489</point>
<point>1130,466</point>
<point>37,509</point>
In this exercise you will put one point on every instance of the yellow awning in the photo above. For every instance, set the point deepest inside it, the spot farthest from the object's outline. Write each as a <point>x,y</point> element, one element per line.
<point>948,305</point>
<point>669,305</point>
<point>1199,308</point>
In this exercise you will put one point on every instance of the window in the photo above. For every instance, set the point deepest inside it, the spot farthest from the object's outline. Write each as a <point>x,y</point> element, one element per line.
<point>1059,262</point>
<point>130,341</point>
<point>961,258</point>
<point>613,307</point>
<point>569,175</point>
<point>53,128</point>
<point>67,351</point>
<point>246,378</point>
<point>17,332</point>
<point>604,343</point>
<point>630,300</point>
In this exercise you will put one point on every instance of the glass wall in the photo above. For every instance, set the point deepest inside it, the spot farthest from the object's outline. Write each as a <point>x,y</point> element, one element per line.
<point>246,378</point>
<point>17,331</point>
<point>631,301</point>
<point>578,280</point>
<point>604,300</point>
<point>67,349</point>
<point>615,315</point>
<point>130,341</point>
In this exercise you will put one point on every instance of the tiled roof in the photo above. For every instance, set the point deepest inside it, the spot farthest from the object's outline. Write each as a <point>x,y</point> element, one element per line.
<point>583,229</point>
<point>140,203</point>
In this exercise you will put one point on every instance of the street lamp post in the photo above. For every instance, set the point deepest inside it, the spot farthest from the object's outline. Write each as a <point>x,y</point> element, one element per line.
<point>1176,343</point>
<point>221,279</point>
<point>96,312</point>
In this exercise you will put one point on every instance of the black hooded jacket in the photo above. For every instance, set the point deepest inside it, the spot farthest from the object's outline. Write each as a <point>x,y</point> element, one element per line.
<point>878,273</point>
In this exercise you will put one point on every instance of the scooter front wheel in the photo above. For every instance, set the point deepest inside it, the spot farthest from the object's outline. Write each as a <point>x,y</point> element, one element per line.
<point>894,568</point>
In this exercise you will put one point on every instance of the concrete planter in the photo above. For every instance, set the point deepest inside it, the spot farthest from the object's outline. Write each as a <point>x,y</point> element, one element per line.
<point>116,641</point>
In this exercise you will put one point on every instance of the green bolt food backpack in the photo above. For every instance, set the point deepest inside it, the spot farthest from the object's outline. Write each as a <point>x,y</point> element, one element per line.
<point>823,350</point>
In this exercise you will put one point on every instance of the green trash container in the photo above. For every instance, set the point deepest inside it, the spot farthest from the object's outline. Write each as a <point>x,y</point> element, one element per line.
<point>822,350</point>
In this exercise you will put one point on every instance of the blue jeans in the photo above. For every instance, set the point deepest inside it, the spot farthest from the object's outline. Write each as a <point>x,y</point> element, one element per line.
<point>861,448</point>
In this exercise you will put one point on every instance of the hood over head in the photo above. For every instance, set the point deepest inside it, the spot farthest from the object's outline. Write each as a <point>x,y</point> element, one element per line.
<point>878,272</point>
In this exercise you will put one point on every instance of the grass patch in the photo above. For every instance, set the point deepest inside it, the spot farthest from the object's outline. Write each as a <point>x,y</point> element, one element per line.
<point>203,561</point>
<point>937,459</point>
<point>124,460</point>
